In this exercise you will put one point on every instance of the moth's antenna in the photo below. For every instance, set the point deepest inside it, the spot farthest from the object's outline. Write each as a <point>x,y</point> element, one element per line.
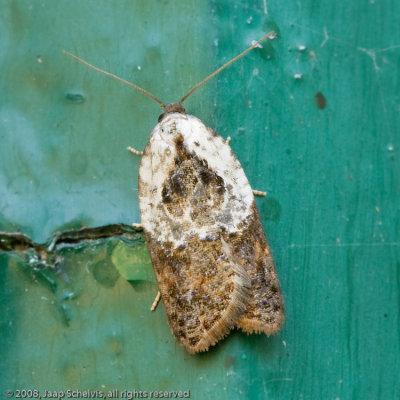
<point>116,77</point>
<point>270,35</point>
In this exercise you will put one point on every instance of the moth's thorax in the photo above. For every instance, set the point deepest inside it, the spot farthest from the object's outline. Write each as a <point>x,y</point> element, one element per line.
<point>190,182</point>
<point>170,126</point>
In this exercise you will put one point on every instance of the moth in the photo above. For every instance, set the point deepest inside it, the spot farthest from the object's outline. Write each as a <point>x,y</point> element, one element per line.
<point>210,255</point>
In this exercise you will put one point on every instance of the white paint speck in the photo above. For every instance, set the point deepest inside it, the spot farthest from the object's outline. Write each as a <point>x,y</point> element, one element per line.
<point>259,46</point>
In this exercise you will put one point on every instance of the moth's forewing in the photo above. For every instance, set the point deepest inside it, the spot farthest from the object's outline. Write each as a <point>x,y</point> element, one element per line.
<point>265,311</point>
<point>206,242</point>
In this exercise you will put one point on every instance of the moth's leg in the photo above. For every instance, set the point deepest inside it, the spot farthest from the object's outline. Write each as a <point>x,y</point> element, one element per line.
<point>259,193</point>
<point>227,140</point>
<point>134,151</point>
<point>156,301</point>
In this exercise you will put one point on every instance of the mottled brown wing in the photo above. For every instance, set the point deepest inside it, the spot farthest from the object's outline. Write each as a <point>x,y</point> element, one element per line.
<point>265,310</point>
<point>204,294</point>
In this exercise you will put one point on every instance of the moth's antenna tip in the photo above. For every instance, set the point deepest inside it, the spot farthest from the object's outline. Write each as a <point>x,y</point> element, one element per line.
<point>272,35</point>
<point>254,44</point>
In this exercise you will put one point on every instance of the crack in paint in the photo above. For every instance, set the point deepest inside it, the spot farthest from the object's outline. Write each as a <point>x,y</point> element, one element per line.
<point>43,252</point>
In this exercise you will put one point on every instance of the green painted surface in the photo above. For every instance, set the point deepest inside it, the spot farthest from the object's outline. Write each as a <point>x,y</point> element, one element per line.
<point>332,176</point>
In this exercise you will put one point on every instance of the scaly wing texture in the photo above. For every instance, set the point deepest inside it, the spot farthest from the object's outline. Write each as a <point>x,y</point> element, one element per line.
<point>203,294</point>
<point>205,238</point>
<point>265,310</point>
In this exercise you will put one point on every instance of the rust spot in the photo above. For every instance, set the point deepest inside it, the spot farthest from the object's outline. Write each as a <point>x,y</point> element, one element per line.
<point>320,100</point>
<point>229,361</point>
<point>179,141</point>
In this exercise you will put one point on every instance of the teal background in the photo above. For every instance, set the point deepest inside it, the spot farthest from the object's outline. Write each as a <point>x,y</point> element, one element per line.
<point>332,177</point>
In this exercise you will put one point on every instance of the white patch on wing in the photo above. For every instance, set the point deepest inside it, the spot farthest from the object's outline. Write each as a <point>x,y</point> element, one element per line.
<point>158,161</point>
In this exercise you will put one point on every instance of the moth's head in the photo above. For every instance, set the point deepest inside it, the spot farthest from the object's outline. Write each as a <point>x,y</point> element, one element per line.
<point>172,108</point>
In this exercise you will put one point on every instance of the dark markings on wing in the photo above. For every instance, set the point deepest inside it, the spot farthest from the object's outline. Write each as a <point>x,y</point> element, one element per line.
<point>265,310</point>
<point>192,181</point>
